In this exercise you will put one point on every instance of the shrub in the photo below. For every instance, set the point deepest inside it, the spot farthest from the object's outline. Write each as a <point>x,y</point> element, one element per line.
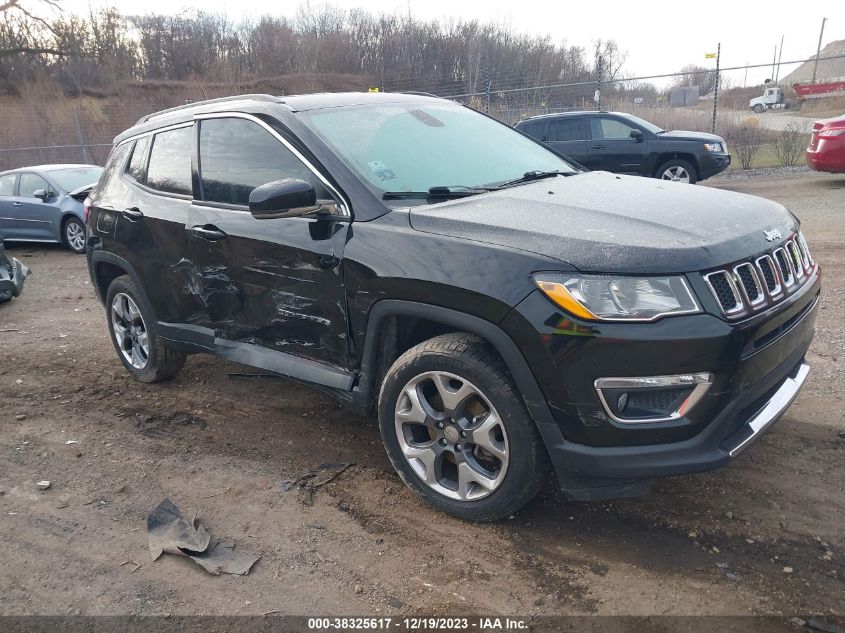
<point>790,143</point>
<point>745,139</point>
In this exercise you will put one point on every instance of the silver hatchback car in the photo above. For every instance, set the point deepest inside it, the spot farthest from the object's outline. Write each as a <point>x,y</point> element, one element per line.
<point>45,203</point>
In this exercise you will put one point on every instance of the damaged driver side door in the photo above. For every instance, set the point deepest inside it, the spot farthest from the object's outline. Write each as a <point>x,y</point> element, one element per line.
<point>272,288</point>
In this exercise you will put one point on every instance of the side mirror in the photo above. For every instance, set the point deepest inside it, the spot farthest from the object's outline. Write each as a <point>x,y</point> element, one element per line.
<point>287,198</point>
<point>43,194</point>
<point>637,135</point>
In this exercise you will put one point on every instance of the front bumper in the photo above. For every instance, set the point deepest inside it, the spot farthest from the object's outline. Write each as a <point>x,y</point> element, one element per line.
<point>713,163</point>
<point>758,367</point>
<point>595,472</point>
<point>12,275</point>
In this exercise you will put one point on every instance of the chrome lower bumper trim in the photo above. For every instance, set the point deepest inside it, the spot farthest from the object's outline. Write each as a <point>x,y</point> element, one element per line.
<point>774,408</point>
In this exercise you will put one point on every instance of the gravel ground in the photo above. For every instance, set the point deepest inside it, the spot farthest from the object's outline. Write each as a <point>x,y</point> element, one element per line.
<point>763,536</point>
<point>759,172</point>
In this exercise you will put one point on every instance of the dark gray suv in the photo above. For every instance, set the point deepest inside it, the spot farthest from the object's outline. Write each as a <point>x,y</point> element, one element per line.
<point>626,144</point>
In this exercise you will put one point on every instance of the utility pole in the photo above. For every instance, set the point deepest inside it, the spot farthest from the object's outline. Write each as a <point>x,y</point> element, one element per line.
<point>780,56</point>
<point>818,50</point>
<point>716,88</point>
<point>774,61</point>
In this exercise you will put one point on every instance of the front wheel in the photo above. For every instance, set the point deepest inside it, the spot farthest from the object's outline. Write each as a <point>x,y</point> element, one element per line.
<point>73,233</point>
<point>677,170</point>
<point>135,339</point>
<point>457,431</point>
<point>758,109</point>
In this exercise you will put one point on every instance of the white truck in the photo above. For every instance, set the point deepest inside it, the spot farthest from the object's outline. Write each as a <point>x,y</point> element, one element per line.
<point>772,99</point>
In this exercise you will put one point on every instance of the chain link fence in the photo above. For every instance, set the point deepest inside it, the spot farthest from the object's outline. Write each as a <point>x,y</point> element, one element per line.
<point>96,154</point>
<point>675,100</point>
<point>51,128</point>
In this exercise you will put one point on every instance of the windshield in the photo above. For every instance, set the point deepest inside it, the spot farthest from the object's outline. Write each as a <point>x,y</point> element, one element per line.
<point>415,147</point>
<point>651,127</point>
<point>73,178</point>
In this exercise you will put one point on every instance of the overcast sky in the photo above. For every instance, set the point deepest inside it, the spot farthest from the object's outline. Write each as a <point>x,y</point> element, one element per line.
<point>660,36</point>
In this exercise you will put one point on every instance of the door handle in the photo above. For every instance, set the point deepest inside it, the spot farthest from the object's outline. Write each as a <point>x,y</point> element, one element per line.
<point>17,204</point>
<point>208,232</point>
<point>133,213</point>
<point>597,146</point>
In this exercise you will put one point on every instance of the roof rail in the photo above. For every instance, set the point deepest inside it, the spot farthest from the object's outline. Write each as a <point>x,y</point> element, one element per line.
<point>255,97</point>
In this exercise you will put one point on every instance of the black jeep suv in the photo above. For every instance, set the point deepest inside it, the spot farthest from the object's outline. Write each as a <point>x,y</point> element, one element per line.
<point>626,144</point>
<point>498,309</point>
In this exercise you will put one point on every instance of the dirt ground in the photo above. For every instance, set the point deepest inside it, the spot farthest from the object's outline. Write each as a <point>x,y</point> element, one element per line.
<point>763,536</point>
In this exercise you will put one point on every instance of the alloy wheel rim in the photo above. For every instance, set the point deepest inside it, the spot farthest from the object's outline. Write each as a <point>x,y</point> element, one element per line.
<point>676,174</point>
<point>451,436</point>
<point>130,331</point>
<point>75,236</point>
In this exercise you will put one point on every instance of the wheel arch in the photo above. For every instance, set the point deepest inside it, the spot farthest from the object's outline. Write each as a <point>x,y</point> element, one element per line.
<point>67,214</point>
<point>106,267</point>
<point>665,157</point>
<point>395,325</point>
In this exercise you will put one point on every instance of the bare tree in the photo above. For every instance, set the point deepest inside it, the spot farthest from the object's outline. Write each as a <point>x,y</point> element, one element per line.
<point>103,49</point>
<point>790,144</point>
<point>693,75</point>
<point>18,36</point>
<point>745,138</point>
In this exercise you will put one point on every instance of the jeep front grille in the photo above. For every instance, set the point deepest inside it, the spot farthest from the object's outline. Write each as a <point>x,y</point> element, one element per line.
<point>784,268</point>
<point>751,285</point>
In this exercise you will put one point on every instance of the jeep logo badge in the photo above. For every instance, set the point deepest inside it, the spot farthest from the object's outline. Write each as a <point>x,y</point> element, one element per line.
<point>772,235</point>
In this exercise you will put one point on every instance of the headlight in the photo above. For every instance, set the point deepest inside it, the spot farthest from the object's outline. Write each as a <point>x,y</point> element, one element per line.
<point>608,298</point>
<point>714,147</point>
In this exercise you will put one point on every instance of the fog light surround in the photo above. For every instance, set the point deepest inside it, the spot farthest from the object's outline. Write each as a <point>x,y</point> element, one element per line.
<point>651,399</point>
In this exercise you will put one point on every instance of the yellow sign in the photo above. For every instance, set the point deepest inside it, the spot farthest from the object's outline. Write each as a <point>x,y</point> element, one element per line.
<point>709,55</point>
<point>372,90</point>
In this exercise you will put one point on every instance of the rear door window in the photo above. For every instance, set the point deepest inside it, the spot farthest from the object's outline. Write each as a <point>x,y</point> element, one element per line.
<point>568,129</point>
<point>169,167</point>
<point>137,167</point>
<point>7,185</point>
<point>237,155</point>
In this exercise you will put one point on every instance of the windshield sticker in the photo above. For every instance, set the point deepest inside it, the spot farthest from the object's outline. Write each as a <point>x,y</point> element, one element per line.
<point>381,170</point>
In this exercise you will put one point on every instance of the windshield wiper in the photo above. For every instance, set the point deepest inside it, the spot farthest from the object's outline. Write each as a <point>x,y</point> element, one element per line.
<point>440,191</point>
<point>534,175</point>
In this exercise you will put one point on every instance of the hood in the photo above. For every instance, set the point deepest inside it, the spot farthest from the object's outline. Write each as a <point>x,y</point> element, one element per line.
<point>602,222</point>
<point>82,192</point>
<point>684,135</point>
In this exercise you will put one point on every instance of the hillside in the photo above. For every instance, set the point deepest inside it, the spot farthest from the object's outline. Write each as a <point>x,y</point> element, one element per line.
<point>828,68</point>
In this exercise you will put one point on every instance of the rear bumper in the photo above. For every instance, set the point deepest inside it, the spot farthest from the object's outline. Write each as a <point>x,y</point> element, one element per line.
<point>833,162</point>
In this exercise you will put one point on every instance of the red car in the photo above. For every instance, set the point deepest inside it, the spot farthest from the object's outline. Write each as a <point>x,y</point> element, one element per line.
<point>826,151</point>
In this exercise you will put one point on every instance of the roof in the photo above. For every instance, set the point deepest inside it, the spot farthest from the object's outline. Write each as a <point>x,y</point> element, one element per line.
<point>319,101</point>
<point>570,113</point>
<point>52,167</point>
<point>268,103</point>
<point>296,103</point>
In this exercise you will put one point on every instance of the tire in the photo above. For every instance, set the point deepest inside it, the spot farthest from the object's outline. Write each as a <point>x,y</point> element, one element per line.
<point>73,234</point>
<point>758,109</point>
<point>147,358</point>
<point>444,458</point>
<point>685,171</point>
